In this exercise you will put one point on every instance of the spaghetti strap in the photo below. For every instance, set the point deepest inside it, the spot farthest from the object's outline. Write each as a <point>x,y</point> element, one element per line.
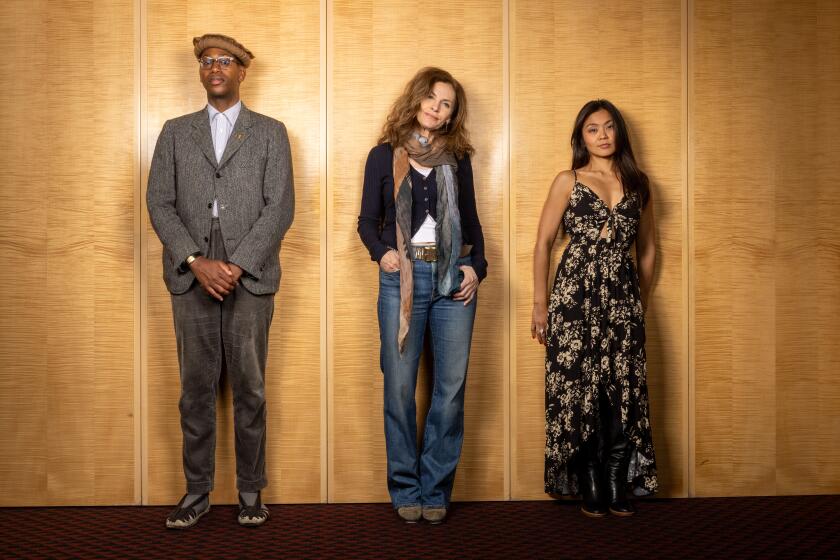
<point>575,172</point>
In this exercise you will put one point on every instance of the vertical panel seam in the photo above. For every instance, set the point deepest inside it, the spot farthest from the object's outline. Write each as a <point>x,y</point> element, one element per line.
<point>324,315</point>
<point>326,208</point>
<point>688,243</point>
<point>137,272</point>
<point>510,314</point>
<point>141,363</point>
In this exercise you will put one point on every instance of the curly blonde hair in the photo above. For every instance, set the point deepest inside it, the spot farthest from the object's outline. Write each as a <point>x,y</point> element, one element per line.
<point>402,119</point>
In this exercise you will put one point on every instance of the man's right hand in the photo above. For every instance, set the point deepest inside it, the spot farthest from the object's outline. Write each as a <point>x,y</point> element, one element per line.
<point>215,277</point>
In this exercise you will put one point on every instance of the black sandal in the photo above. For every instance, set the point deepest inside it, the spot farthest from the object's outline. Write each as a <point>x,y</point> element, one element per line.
<point>184,515</point>
<point>252,516</point>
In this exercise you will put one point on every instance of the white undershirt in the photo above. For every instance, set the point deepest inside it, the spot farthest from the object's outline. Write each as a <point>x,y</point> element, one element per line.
<point>427,232</point>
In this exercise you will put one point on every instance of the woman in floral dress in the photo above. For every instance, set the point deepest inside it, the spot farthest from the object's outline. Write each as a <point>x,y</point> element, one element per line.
<point>598,436</point>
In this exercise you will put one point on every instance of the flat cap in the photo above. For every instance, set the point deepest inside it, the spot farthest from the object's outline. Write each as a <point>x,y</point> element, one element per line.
<point>223,42</point>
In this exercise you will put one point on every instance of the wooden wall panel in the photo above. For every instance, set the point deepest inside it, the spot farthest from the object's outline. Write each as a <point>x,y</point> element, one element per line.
<point>750,289</point>
<point>807,288</point>
<point>562,56</point>
<point>375,47</point>
<point>283,82</point>
<point>732,173</point>
<point>764,108</point>
<point>67,237</point>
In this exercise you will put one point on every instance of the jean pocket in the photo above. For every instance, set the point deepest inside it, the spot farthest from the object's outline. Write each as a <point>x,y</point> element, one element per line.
<point>389,275</point>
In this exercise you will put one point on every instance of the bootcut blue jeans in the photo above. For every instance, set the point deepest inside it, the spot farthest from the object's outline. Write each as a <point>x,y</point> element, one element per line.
<point>424,477</point>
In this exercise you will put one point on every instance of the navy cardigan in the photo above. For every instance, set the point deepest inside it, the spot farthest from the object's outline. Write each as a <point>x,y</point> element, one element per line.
<point>377,219</point>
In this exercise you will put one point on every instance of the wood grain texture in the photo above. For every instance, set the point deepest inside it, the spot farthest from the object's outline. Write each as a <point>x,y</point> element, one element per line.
<point>67,235</point>
<point>283,82</point>
<point>734,320</point>
<point>808,253</point>
<point>763,89</point>
<point>563,55</point>
<point>765,79</point>
<point>375,48</point>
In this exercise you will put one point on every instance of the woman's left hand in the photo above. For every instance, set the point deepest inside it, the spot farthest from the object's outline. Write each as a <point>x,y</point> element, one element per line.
<point>468,286</point>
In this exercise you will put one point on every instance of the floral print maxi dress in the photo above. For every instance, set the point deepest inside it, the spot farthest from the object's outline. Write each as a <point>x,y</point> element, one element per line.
<point>596,341</point>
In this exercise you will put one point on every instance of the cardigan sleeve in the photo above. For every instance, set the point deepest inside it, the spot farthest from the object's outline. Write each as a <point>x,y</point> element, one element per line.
<point>470,224</point>
<point>372,213</point>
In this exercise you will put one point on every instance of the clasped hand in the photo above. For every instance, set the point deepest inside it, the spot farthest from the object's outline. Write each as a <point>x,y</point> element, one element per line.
<point>217,278</point>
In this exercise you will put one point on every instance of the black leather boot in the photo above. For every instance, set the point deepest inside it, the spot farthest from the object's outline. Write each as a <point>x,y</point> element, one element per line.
<point>591,489</point>
<point>616,467</point>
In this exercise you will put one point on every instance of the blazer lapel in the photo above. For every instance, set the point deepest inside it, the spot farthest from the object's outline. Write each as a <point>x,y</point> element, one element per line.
<point>238,136</point>
<point>203,137</point>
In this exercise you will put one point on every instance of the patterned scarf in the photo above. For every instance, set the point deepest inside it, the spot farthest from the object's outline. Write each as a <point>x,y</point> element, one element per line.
<point>448,229</point>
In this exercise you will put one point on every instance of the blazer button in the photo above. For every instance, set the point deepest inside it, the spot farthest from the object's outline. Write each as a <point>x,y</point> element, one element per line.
<point>206,239</point>
<point>209,205</point>
<point>218,175</point>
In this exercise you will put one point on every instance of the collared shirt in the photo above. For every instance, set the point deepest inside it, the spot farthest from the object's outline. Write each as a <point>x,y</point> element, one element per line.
<point>221,126</point>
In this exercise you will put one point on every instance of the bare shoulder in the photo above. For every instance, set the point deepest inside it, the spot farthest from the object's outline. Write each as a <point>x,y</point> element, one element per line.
<point>563,184</point>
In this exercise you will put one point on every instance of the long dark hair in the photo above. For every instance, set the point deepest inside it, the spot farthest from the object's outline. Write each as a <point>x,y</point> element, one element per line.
<point>402,119</point>
<point>633,179</point>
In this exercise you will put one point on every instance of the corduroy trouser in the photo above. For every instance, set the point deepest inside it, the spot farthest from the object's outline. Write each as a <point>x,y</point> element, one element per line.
<point>211,335</point>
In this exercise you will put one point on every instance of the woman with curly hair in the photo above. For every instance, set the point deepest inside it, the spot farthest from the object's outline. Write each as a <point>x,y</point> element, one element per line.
<point>419,221</point>
<point>598,436</point>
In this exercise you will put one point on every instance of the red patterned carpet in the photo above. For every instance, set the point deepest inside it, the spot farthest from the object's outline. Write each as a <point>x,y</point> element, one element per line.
<point>771,527</point>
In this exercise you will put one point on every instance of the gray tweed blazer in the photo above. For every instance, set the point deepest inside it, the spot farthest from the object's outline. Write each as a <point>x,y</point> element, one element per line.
<point>252,183</point>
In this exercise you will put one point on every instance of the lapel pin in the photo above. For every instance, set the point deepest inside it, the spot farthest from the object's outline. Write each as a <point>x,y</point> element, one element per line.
<point>239,136</point>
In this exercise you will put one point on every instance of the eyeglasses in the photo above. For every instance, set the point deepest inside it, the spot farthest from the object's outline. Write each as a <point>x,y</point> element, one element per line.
<point>207,62</point>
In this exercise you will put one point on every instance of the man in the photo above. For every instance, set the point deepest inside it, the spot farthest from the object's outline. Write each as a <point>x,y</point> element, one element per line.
<point>220,198</point>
